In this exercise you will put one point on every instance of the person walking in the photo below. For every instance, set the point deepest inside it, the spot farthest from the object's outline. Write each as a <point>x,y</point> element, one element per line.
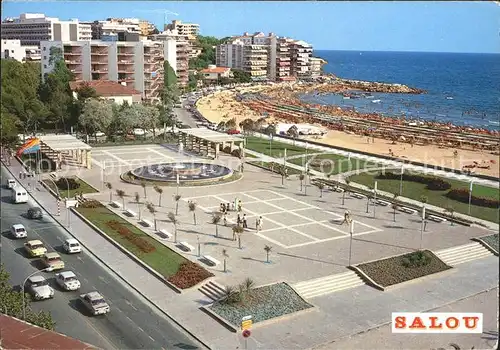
<point>224,219</point>
<point>238,219</point>
<point>245,221</point>
<point>260,221</point>
<point>239,206</point>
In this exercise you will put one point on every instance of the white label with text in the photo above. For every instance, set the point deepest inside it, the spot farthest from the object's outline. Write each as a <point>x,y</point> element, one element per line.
<point>437,322</point>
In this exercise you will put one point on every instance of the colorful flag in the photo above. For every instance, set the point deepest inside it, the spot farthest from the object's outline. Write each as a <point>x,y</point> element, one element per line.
<point>29,147</point>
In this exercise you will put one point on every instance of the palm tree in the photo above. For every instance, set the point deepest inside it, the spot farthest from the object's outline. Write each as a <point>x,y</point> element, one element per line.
<point>347,182</point>
<point>394,205</point>
<point>216,218</point>
<point>320,186</point>
<point>248,284</point>
<point>228,293</point>
<point>450,210</point>
<point>138,201</point>
<point>237,232</point>
<point>368,198</point>
<point>268,250</point>
<point>225,255</point>
<point>121,194</point>
<point>424,201</point>
<point>177,197</point>
<point>143,185</point>
<point>192,209</point>
<point>109,186</point>
<point>158,190</point>
<point>173,219</point>
<point>301,178</point>
<point>152,210</point>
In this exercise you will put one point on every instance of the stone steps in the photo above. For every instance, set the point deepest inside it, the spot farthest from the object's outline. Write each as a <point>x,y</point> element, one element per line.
<point>329,284</point>
<point>213,290</point>
<point>464,253</point>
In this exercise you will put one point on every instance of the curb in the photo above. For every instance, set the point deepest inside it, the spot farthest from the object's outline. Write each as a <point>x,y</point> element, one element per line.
<point>178,324</point>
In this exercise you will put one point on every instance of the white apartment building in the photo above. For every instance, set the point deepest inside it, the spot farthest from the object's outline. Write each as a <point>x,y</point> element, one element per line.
<point>316,65</point>
<point>230,55</point>
<point>12,49</point>
<point>181,51</point>
<point>116,25</point>
<point>301,53</point>
<point>191,30</point>
<point>137,64</point>
<point>32,28</point>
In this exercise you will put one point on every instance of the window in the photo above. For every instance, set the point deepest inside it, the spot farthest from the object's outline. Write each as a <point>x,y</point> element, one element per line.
<point>44,57</point>
<point>44,49</point>
<point>45,66</point>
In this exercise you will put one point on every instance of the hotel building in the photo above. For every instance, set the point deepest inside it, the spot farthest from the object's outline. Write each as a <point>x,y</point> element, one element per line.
<point>138,65</point>
<point>190,30</point>
<point>32,28</point>
<point>180,54</point>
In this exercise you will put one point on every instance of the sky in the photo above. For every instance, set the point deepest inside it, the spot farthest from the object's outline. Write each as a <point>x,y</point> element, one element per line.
<point>472,27</point>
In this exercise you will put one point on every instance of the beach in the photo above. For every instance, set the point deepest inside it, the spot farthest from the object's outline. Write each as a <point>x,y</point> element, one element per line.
<point>223,106</point>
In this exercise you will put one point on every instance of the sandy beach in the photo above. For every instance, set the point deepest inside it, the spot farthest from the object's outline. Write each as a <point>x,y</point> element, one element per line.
<point>223,106</point>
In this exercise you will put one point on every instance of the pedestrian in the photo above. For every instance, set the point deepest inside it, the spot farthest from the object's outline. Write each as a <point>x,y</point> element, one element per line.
<point>20,174</point>
<point>245,221</point>
<point>239,206</point>
<point>228,207</point>
<point>238,219</point>
<point>260,223</point>
<point>232,207</point>
<point>224,218</point>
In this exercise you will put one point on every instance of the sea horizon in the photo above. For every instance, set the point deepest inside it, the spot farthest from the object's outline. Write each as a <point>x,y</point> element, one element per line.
<point>423,52</point>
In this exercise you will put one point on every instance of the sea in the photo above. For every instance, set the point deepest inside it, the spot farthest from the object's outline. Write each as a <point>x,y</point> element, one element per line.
<point>463,88</point>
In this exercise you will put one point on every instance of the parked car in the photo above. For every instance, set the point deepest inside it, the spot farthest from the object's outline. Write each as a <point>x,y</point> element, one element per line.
<point>38,287</point>
<point>18,231</point>
<point>11,183</point>
<point>35,248</point>
<point>52,261</point>
<point>72,246</point>
<point>95,303</point>
<point>68,280</point>
<point>233,132</point>
<point>35,213</point>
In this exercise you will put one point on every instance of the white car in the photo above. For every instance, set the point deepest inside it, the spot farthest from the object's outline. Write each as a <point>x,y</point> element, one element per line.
<point>138,132</point>
<point>68,280</point>
<point>18,231</point>
<point>38,287</point>
<point>95,303</point>
<point>72,246</point>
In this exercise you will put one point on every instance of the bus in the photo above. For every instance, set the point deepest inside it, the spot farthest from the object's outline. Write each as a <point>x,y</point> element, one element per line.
<point>19,195</point>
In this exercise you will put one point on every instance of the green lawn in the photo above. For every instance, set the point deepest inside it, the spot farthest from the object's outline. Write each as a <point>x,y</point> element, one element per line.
<point>163,260</point>
<point>275,148</point>
<point>414,190</point>
<point>333,163</point>
<point>84,187</point>
<point>267,165</point>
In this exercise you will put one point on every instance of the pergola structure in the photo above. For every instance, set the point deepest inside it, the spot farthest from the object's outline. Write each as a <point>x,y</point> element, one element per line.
<point>59,147</point>
<point>210,141</point>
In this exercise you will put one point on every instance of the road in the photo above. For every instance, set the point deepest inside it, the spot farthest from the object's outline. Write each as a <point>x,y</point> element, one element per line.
<point>133,323</point>
<point>185,117</point>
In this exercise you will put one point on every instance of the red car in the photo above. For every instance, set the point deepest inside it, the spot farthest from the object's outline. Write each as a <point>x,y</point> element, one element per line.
<point>233,132</point>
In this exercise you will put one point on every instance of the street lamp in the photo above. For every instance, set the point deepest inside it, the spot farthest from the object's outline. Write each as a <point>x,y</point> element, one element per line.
<point>22,291</point>
<point>470,193</point>
<point>351,231</point>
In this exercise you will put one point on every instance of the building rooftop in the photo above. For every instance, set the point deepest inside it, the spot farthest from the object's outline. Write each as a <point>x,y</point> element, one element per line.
<point>215,70</point>
<point>106,88</point>
<point>17,334</point>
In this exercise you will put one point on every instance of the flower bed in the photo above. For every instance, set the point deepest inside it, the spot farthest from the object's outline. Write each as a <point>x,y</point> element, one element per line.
<point>462,195</point>
<point>140,243</point>
<point>433,183</point>
<point>262,303</point>
<point>402,268</point>
<point>189,275</point>
<point>491,240</point>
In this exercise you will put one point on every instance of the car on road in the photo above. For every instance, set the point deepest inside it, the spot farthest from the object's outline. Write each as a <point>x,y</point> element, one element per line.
<point>18,231</point>
<point>35,248</point>
<point>72,246</point>
<point>11,183</point>
<point>34,213</point>
<point>68,280</point>
<point>95,303</point>
<point>38,287</point>
<point>52,261</point>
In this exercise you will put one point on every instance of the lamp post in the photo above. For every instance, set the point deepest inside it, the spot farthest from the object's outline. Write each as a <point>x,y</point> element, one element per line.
<point>470,194</point>
<point>199,247</point>
<point>351,231</point>
<point>422,227</point>
<point>401,181</point>
<point>24,282</point>
<point>374,198</point>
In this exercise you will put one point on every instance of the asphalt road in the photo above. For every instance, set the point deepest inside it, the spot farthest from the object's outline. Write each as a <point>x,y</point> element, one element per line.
<point>132,323</point>
<point>185,117</point>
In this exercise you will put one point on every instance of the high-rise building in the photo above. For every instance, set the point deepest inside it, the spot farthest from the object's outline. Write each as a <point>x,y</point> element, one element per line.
<point>181,53</point>
<point>146,27</point>
<point>115,26</point>
<point>32,28</point>
<point>316,66</point>
<point>300,66</point>
<point>191,30</point>
<point>136,64</point>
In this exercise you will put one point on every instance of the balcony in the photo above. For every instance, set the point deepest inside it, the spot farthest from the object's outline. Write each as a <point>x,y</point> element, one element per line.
<point>125,61</point>
<point>72,53</point>
<point>71,62</point>
<point>99,53</point>
<point>125,53</point>
<point>121,70</point>
<point>76,70</point>
<point>99,62</point>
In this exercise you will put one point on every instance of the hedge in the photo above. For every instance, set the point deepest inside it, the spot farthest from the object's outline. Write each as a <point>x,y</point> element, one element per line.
<point>462,195</point>
<point>67,183</point>
<point>433,183</point>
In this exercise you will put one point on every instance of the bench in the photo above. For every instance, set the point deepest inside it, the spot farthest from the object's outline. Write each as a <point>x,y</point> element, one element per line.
<point>436,218</point>
<point>115,204</point>
<point>336,189</point>
<point>407,210</point>
<point>213,261</point>
<point>186,246</point>
<point>164,234</point>
<point>146,222</point>
<point>382,202</point>
<point>130,212</point>
<point>357,195</point>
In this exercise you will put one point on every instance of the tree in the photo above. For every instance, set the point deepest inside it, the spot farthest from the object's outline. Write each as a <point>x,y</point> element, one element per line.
<point>138,201</point>
<point>268,251</point>
<point>173,219</point>
<point>144,185</point>
<point>270,130</point>
<point>158,190</point>
<point>240,76</point>
<point>225,255</point>
<point>449,209</point>
<point>109,186</point>
<point>247,125</point>
<point>231,123</point>
<point>207,45</point>
<point>301,178</point>
<point>97,115</point>
<point>395,205</point>
<point>192,209</point>
<point>11,304</point>
<point>320,186</point>
<point>177,197</point>
<point>424,200</point>
<point>149,118</point>
<point>8,125</point>
<point>293,132</point>
<point>121,194</point>
<point>152,210</point>
<point>347,182</point>
<point>216,218</point>
<point>237,232</point>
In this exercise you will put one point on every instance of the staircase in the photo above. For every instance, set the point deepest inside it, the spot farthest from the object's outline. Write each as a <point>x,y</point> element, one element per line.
<point>464,253</point>
<point>329,284</point>
<point>212,290</point>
